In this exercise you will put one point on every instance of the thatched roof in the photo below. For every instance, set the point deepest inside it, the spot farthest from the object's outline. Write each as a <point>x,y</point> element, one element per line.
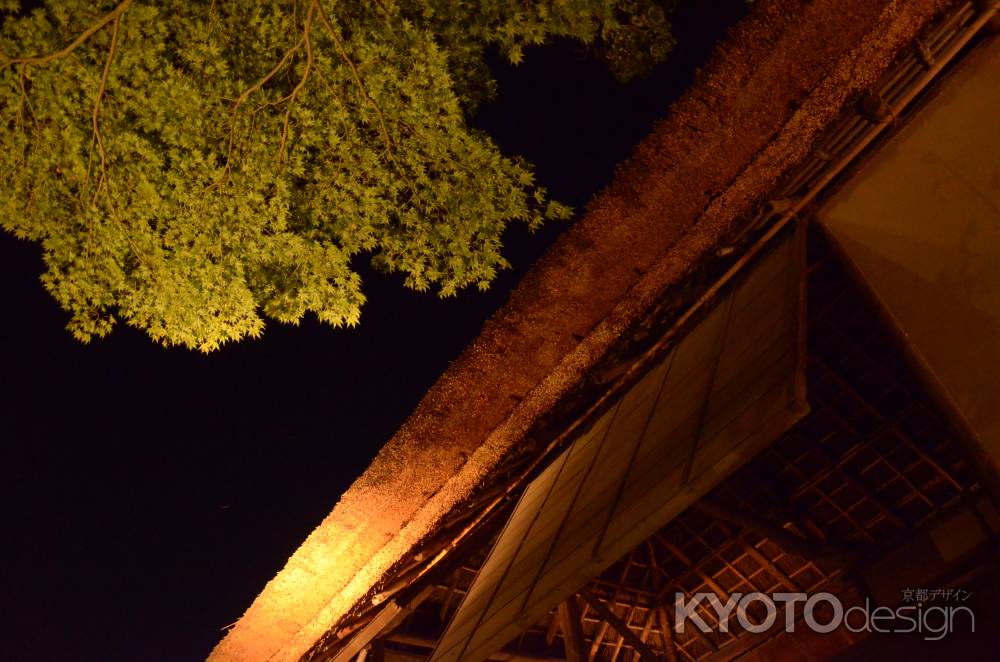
<point>753,113</point>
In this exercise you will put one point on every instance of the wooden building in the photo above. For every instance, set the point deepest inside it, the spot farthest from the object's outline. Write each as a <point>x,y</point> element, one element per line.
<point>765,360</point>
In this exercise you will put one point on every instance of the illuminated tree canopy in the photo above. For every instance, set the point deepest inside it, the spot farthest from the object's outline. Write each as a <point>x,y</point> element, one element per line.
<point>190,168</point>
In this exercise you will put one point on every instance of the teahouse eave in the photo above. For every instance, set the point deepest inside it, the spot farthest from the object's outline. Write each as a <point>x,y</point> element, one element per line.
<point>770,89</point>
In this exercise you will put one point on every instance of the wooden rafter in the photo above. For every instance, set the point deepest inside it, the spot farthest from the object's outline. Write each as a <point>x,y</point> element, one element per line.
<point>603,627</point>
<point>631,609</point>
<point>612,619</point>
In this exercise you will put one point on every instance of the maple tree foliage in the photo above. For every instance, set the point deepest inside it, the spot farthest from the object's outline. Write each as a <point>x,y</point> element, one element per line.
<point>190,168</point>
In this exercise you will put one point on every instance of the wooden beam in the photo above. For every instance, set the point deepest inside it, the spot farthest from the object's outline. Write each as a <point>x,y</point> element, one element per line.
<point>595,646</point>
<point>570,622</point>
<point>780,536</point>
<point>647,625</point>
<point>388,618</point>
<point>645,653</point>
<point>621,640</point>
<point>602,629</point>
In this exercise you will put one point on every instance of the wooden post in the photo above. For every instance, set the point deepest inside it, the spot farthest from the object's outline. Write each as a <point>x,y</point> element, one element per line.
<point>569,619</point>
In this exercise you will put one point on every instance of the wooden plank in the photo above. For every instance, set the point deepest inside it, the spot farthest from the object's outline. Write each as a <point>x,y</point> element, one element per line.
<point>642,416</point>
<point>498,562</point>
<point>762,401</point>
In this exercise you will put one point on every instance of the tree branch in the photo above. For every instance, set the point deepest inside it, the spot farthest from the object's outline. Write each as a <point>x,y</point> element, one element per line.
<point>101,89</point>
<point>338,42</point>
<point>250,90</point>
<point>24,97</point>
<point>307,38</point>
<point>113,15</point>
<point>99,140</point>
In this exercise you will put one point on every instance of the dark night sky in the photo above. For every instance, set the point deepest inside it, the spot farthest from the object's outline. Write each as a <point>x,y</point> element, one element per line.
<point>147,495</point>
